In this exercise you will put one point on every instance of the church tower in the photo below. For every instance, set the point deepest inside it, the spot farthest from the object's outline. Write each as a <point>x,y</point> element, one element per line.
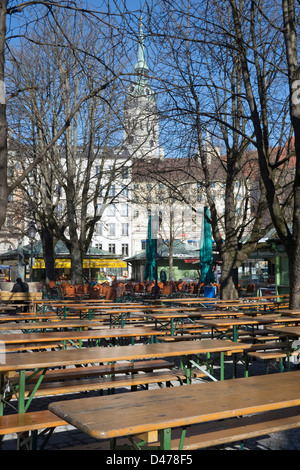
<point>141,128</point>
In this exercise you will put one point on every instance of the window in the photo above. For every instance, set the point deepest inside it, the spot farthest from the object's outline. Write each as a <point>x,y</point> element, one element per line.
<point>112,191</point>
<point>136,214</point>
<point>97,170</point>
<point>125,230</point>
<point>59,209</point>
<point>111,211</point>
<point>98,209</point>
<point>125,173</point>
<point>99,228</point>
<point>112,248</point>
<point>143,244</point>
<point>125,191</point>
<point>98,246</point>
<point>124,249</point>
<point>112,230</point>
<point>124,210</point>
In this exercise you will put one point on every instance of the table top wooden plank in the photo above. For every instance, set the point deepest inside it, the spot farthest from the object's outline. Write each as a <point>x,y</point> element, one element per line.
<point>23,318</point>
<point>16,338</point>
<point>215,322</point>
<point>290,312</point>
<point>25,361</point>
<point>278,319</point>
<point>164,408</point>
<point>287,330</point>
<point>162,316</point>
<point>57,324</point>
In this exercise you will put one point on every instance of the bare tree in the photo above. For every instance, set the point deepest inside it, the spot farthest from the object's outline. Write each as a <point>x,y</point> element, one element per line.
<point>206,103</point>
<point>63,190</point>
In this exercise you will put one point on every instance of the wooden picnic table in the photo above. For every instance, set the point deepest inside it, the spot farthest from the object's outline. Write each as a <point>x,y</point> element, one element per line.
<point>62,337</point>
<point>218,324</point>
<point>265,297</point>
<point>245,305</point>
<point>218,314</point>
<point>87,309</point>
<point>234,323</point>
<point>167,320</point>
<point>4,307</point>
<point>27,317</point>
<point>290,312</point>
<point>16,364</point>
<point>162,410</point>
<point>278,318</point>
<point>50,325</point>
<point>291,331</point>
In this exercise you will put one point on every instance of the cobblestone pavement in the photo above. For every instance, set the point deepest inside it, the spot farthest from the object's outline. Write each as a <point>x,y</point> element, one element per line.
<point>69,438</point>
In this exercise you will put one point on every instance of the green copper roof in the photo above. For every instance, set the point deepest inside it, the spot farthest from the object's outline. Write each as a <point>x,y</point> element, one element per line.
<point>141,66</point>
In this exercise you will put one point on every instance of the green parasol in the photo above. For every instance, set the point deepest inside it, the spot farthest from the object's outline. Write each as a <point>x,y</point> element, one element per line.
<point>206,250</point>
<point>150,254</point>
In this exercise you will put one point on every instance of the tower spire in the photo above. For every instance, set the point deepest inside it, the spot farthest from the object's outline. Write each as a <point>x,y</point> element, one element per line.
<point>141,66</point>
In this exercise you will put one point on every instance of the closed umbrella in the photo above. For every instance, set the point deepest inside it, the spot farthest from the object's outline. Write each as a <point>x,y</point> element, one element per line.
<point>150,254</point>
<point>206,250</point>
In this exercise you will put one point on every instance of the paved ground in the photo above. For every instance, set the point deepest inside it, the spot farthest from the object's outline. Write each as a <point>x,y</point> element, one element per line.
<point>68,438</point>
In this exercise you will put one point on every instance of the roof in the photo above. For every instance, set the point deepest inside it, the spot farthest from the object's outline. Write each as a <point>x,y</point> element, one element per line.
<point>60,251</point>
<point>180,251</point>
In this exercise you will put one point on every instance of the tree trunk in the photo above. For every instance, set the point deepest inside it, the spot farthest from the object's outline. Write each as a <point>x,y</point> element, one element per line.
<point>293,252</point>
<point>171,246</point>
<point>229,279</point>
<point>48,250</point>
<point>293,247</point>
<point>3,120</point>
<point>76,262</point>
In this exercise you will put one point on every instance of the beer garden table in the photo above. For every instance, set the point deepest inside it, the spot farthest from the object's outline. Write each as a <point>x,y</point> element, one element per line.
<point>76,335</point>
<point>162,410</point>
<point>16,364</point>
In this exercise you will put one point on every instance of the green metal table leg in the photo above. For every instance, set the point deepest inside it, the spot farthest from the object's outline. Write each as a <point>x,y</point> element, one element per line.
<point>1,394</point>
<point>172,326</point>
<point>222,364</point>
<point>21,402</point>
<point>235,333</point>
<point>165,439</point>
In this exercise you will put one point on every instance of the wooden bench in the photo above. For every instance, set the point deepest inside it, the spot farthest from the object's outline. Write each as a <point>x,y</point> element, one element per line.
<point>232,430</point>
<point>259,334</point>
<point>27,426</point>
<point>10,348</point>
<point>220,433</point>
<point>107,383</point>
<point>100,378</point>
<point>277,351</point>
<point>109,369</point>
<point>183,337</point>
<point>25,297</point>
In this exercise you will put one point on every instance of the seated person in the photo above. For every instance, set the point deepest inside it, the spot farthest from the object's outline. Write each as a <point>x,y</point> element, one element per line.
<point>20,286</point>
